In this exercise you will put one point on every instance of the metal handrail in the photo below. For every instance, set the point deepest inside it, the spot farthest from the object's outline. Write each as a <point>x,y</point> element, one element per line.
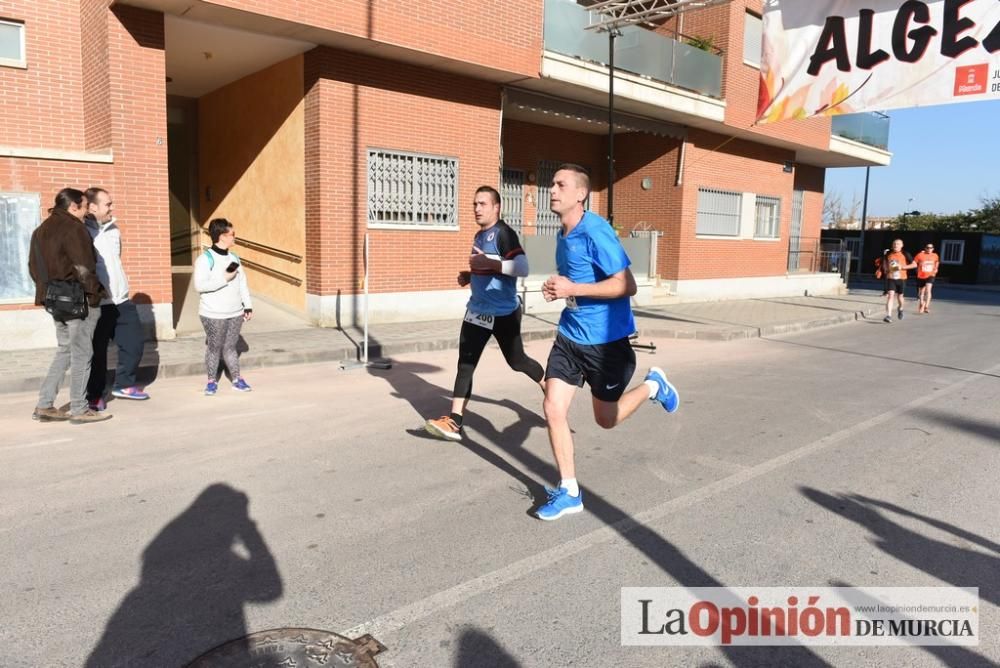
<point>280,275</point>
<point>270,250</point>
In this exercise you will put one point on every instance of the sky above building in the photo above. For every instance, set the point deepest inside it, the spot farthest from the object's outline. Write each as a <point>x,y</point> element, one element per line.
<point>945,159</point>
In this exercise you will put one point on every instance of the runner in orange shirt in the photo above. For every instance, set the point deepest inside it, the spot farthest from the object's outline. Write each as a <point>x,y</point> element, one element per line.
<point>927,268</point>
<point>895,266</point>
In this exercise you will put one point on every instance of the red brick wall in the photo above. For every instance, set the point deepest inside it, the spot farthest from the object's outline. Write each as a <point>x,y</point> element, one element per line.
<point>716,161</point>
<point>505,35</point>
<point>139,135</point>
<point>639,156</point>
<point>355,102</point>
<point>124,109</point>
<point>41,106</point>
<point>96,74</point>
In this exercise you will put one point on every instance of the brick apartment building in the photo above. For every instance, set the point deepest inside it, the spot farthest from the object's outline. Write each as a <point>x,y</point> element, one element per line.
<point>313,125</point>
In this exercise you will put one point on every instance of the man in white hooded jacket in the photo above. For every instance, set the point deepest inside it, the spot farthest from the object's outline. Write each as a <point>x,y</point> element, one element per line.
<point>119,317</point>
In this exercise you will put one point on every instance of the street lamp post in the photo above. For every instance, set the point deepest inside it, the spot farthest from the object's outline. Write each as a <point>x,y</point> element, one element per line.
<point>612,33</point>
<point>864,220</point>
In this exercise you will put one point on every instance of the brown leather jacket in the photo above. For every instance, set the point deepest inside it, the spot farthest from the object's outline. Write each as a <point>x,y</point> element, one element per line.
<point>68,253</point>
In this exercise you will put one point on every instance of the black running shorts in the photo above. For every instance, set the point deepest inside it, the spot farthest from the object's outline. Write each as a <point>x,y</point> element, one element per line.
<point>606,367</point>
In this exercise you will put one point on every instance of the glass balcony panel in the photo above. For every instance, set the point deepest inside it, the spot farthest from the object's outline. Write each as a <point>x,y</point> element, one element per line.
<point>870,128</point>
<point>638,51</point>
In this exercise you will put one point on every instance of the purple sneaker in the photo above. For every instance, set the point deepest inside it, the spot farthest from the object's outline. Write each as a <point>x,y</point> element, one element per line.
<point>97,405</point>
<point>241,385</point>
<point>133,393</point>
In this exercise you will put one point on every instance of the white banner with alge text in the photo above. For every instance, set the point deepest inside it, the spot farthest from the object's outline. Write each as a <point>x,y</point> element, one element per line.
<point>826,57</point>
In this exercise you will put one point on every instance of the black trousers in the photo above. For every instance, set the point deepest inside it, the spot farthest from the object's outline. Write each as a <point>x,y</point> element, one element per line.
<point>121,323</point>
<point>472,341</point>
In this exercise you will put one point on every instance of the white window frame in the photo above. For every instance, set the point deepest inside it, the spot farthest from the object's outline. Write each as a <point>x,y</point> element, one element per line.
<point>947,244</point>
<point>21,62</point>
<point>413,194</point>
<point>747,17</point>
<point>775,222</point>
<point>739,214</point>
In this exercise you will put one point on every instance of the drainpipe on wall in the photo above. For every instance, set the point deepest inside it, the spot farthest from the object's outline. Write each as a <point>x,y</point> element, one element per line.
<point>680,163</point>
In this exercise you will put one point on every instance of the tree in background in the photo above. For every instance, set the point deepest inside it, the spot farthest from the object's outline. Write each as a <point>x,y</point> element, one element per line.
<point>837,214</point>
<point>984,219</point>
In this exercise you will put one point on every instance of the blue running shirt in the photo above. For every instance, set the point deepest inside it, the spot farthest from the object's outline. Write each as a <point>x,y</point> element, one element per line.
<point>495,294</point>
<point>591,253</point>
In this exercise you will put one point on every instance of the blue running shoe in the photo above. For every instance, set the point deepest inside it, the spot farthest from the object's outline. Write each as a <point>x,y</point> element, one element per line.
<point>211,388</point>
<point>667,394</point>
<point>241,385</point>
<point>560,503</point>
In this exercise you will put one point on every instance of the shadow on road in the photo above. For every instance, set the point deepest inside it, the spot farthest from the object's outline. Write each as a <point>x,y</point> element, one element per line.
<point>477,649</point>
<point>957,566</point>
<point>880,357</point>
<point>197,574</point>
<point>407,381</point>
<point>985,428</point>
<point>429,399</point>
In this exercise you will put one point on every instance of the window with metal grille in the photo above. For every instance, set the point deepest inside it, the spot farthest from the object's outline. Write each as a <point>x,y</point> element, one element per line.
<point>718,212</point>
<point>753,31</point>
<point>412,190</point>
<point>512,197</point>
<point>952,251</point>
<point>12,44</point>
<point>19,216</point>
<point>767,219</point>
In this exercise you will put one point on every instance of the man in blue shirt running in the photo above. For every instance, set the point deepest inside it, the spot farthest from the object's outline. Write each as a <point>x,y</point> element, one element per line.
<point>592,343</point>
<point>495,262</point>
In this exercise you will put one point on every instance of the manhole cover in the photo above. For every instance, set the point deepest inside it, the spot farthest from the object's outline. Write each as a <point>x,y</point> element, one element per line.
<point>292,648</point>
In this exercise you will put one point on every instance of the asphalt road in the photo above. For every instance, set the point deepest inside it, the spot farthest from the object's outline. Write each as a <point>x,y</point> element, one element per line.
<point>859,455</point>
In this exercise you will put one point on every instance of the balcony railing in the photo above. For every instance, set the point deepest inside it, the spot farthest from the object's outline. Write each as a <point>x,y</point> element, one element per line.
<point>637,50</point>
<point>868,128</point>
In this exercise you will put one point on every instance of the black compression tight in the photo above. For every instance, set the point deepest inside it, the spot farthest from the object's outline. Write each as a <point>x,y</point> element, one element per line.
<point>473,340</point>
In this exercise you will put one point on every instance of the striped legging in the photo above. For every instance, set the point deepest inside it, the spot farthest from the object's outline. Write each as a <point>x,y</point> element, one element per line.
<point>221,337</point>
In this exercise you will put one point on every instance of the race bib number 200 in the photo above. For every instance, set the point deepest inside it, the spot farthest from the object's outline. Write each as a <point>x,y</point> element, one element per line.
<point>479,319</point>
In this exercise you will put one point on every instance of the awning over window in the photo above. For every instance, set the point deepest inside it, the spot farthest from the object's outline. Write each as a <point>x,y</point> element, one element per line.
<point>539,106</point>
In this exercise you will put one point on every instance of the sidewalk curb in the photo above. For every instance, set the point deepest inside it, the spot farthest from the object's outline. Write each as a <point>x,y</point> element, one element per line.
<point>281,357</point>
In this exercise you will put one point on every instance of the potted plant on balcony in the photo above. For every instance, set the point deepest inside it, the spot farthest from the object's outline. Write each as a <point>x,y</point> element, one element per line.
<point>703,43</point>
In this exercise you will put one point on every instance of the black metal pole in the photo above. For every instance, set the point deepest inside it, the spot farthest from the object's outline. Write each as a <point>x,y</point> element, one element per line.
<point>611,126</point>
<point>864,220</point>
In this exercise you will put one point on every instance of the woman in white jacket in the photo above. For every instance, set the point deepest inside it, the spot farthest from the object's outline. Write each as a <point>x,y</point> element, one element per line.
<point>225,305</point>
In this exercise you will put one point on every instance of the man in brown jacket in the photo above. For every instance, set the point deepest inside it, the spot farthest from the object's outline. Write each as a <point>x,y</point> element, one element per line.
<point>67,252</point>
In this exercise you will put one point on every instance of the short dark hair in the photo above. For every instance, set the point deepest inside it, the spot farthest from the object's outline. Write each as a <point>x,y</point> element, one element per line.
<point>66,198</point>
<point>92,191</point>
<point>491,190</point>
<point>217,227</point>
<point>583,176</point>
